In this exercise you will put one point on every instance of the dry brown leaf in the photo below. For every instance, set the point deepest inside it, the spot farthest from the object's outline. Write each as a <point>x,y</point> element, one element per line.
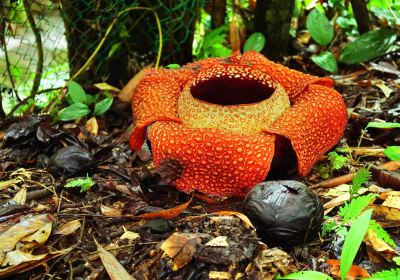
<point>114,269</point>
<point>10,183</point>
<point>219,275</point>
<point>20,196</point>
<point>180,247</point>
<point>130,235</point>
<point>168,213</point>
<point>110,211</point>
<point>106,87</point>
<point>355,272</point>
<point>92,126</point>
<point>239,215</point>
<point>340,200</point>
<point>378,245</point>
<point>386,216</point>
<point>40,236</point>
<point>392,199</point>
<point>272,261</point>
<point>219,241</point>
<point>69,227</point>
<point>29,262</point>
<point>15,233</point>
<point>125,95</point>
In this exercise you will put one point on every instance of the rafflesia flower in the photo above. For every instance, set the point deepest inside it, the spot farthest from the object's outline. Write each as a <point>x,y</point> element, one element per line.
<point>216,124</point>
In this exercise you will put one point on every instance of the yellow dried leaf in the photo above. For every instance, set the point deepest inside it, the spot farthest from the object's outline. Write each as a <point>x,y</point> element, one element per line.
<point>180,247</point>
<point>69,227</point>
<point>110,212</point>
<point>379,246</point>
<point>114,269</point>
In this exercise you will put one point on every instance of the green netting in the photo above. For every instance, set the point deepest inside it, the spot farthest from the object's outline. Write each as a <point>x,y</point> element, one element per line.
<point>71,30</point>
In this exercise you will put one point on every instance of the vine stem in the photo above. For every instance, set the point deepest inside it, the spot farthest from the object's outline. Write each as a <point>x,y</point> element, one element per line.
<point>110,27</point>
<point>39,46</point>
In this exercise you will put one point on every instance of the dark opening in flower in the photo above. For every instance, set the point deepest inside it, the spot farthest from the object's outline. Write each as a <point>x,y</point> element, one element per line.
<point>231,91</point>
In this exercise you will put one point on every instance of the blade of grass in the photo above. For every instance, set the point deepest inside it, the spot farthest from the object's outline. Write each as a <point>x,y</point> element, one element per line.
<point>353,242</point>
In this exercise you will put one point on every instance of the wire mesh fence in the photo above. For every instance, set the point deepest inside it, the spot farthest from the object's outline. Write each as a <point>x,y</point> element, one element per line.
<point>71,31</point>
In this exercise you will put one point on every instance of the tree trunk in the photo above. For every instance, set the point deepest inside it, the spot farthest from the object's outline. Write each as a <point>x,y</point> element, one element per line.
<point>272,18</point>
<point>218,13</point>
<point>361,14</point>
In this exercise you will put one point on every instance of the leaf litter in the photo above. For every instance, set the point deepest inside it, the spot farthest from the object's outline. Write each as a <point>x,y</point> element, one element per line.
<point>145,229</point>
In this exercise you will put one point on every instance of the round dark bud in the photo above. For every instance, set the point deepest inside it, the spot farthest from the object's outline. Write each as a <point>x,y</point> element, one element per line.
<point>285,213</point>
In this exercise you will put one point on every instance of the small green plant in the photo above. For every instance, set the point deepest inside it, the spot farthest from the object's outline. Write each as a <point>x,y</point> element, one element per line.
<point>336,162</point>
<point>214,44</point>
<point>361,177</point>
<point>84,183</point>
<point>80,101</point>
<point>350,211</point>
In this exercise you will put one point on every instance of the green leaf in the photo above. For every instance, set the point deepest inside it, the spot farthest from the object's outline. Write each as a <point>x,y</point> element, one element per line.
<point>115,47</point>
<point>84,183</point>
<point>102,106</point>
<point>255,42</point>
<point>353,241</point>
<point>368,46</point>
<point>362,176</point>
<point>393,152</point>
<point>396,260</point>
<point>337,161</point>
<point>15,72</point>
<point>326,61</point>
<point>73,112</point>
<point>89,99</point>
<point>381,233</point>
<point>393,274</point>
<point>320,28</point>
<point>76,92</point>
<point>383,125</point>
<point>352,210</point>
<point>216,36</point>
<point>305,275</point>
<point>173,66</point>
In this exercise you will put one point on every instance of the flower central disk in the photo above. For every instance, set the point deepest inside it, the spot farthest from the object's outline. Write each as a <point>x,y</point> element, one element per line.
<point>234,98</point>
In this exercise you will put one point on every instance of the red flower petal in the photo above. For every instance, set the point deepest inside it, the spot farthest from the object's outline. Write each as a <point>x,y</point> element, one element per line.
<point>314,124</point>
<point>214,162</point>
<point>294,82</point>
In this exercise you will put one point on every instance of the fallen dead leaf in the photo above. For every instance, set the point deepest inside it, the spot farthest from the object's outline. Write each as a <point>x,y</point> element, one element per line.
<point>125,95</point>
<point>15,233</point>
<point>28,262</point>
<point>20,196</point>
<point>130,235</point>
<point>114,269</point>
<point>386,216</point>
<point>68,228</point>
<point>219,241</point>
<point>180,247</point>
<point>219,275</point>
<point>355,272</point>
<point>239,215</point>
<point>92,126</point>
<point>272,261</point>
<point>106,87</point>
<point>10,183</point>
<point>110,211</point>
<point>379,246</point>
<point>392,199</point>
<point>40,236</point>
<point>168,213</point>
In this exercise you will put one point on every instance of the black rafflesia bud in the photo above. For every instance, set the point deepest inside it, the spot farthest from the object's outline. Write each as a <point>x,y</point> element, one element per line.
<point>285,213</point>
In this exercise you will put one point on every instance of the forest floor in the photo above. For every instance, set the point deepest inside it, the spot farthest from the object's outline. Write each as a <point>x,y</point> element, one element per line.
<point>156,232</point>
